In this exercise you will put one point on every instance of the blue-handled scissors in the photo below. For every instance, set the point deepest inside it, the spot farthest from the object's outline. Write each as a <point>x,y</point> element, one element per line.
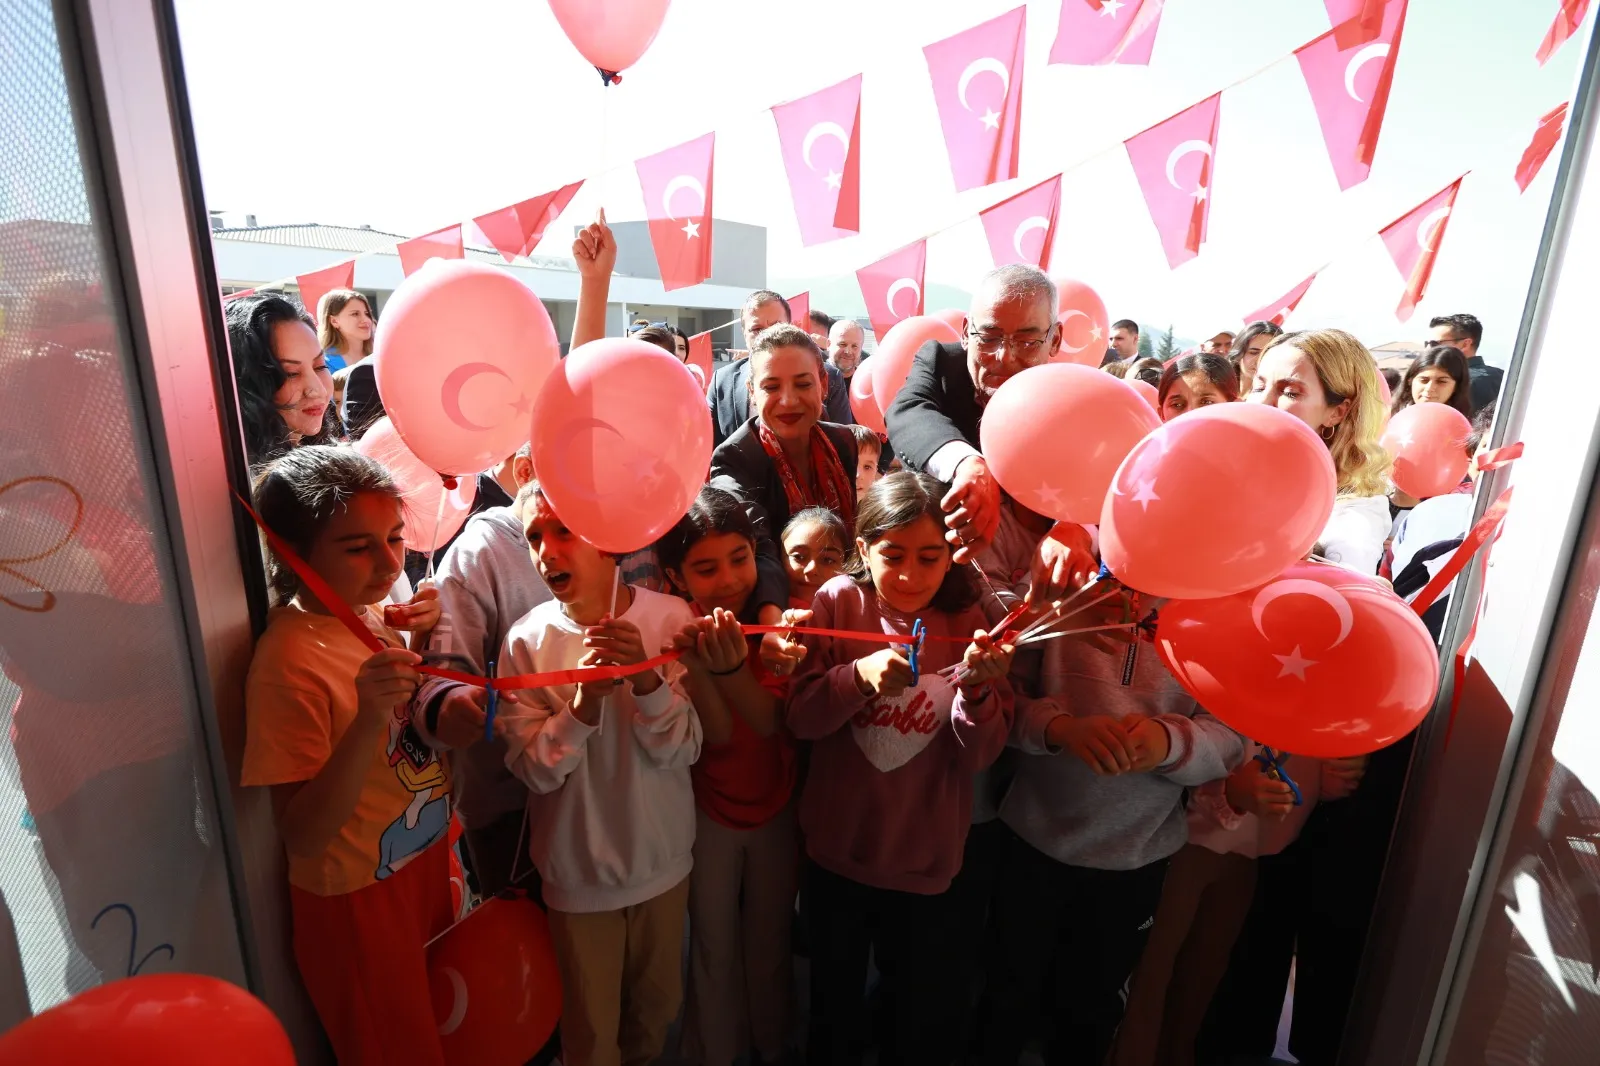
<point>1272,762</point>
<point>919,634</point>
<point>494,703</point>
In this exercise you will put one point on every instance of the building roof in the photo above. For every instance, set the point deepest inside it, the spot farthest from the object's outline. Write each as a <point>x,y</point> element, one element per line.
<point>359,239</point>
<point>1399,347</point>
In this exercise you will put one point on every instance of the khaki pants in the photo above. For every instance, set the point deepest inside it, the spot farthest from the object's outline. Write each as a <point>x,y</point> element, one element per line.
<point>740,960</point>
<point>620,979</point>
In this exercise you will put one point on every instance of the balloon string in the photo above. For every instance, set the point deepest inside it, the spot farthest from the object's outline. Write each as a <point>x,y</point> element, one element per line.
<point>1059,614</point>
<point>1074,632</point>
<point>438,524</point>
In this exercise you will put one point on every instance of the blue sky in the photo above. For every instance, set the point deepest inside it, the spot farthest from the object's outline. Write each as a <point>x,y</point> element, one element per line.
<point>410,115</point>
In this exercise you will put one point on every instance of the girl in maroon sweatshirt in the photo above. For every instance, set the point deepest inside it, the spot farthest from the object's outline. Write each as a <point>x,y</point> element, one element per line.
<point>888,798</point>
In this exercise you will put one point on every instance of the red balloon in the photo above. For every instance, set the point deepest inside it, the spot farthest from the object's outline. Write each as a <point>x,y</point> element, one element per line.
<point>496,987</point>
<point>1216,502</point>
<point>1320,661</point>
<point>863,404</point>
<point>461,353</point>
<point>169,1019</point>
<point>956,320</point>
<point>611,34</point>
<point>1085,326</point>
<point>1151,394</point>
<point>621,442</point>
<point>1429,445</point>
<point>891,363</point>
<point>1054,434</point>
<point>433,511</point>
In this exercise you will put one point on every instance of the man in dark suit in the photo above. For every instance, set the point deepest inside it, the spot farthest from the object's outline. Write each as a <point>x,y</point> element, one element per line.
<point>1464,333</point>
<point>729,395</point>
<point>933,420</point>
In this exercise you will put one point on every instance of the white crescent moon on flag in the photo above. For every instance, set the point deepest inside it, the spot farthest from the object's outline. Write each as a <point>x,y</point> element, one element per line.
<point>1068,316</point>
<point>1032,222</point>
<point>458,1002</point>
<point>984,64</point>
<point>682,181</point>
<point>899,286</point>
<point>450,392</point>
<point>823,129</point>
<point>1357,61</point>
<point>1183,149</point>
<point>1299,586</point>
<point>1428,230</point>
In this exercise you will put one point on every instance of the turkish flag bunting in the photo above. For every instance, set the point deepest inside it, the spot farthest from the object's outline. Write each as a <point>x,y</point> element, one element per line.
<point>677,201</point>
<point>1350,89</point>
<point>700,355</point>
<point>1355,22</point>
<point>977,85</point>
<point>1568,19</point>
<point>1173,161</point>
<point>1280,309</point>
<point>892,287</point>
<point>1413,243</point>
<point>1093,32</point>
<point>820,136</point>
<point>440,244</point>
<point>518,229</point>
<point>800,310</point>
<point>1545,139</point>
<point>319,282</point>
<point>1012,223</point>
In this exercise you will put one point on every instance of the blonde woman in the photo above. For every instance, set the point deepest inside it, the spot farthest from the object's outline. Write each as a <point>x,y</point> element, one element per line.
<point>1327,379</point>
<point>345,327</point>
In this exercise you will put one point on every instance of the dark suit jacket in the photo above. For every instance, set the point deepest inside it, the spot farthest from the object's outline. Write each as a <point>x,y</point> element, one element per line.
<point>729,398</point>
<point>935,406</point>
<point>362,407</point>
<point>740,465</point>
<point>1484,381</point>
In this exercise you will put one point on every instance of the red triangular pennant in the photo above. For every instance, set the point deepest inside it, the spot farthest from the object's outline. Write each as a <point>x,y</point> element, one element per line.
<point>440,244</point>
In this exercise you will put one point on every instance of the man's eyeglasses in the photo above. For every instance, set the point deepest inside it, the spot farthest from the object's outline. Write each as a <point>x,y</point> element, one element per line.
<point>1026,349</point>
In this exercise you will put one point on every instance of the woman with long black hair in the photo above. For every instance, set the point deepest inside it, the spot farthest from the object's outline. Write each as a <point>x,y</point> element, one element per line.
<point>285,388</point>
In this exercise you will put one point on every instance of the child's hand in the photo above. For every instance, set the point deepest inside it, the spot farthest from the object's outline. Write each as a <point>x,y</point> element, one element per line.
<point>1151,742</point>
<point>586,705</point>
<point>886,673</point>
<point>462,711</point>
<point>419,615</point>
<point>1341,776</point>
<point>783,653</point>
<point>688,643</point>
<point>723,643</point>
<point>1254,791</point>
<point>385,681</point>
<point>1098,739</point>
<point>985,661</point>
<point>595,249</point>
<point>619,642</point>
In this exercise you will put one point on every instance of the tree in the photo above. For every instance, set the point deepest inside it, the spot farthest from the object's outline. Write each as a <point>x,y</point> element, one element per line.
<point>1167,348</point>
<point>1146,346</point>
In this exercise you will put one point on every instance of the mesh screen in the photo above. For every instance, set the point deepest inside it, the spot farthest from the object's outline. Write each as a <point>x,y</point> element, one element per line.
<point>108,860</point>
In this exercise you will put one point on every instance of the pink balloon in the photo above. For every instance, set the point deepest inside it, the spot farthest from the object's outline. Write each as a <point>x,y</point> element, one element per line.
<point>621,442</point>
<point>1085,326</point>
<point>1216,502</point>
<point>461,352</point>
<point>1429,445</point>
<point>1384,393</point>
<point>863,404</point>
<point>1054,435</point>
<point>1151,394</point>
<point>433,512</point>
<point>611,34</point>
<point>956,320</point>
<point>891,363</point>
<point>699,376</point>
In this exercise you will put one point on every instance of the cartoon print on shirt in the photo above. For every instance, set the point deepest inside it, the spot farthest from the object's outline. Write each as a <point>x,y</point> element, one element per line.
<point>890,732</point>
<point>425,819</point>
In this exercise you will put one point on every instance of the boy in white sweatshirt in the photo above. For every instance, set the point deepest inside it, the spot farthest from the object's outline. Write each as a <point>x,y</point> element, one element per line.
<point>611,821</point>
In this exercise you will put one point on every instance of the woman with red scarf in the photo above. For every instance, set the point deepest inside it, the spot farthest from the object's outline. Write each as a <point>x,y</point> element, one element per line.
<point>785,459</point>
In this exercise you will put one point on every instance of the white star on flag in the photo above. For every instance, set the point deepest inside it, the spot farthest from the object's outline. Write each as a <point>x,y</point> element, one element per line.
<point>691,229</point>
<point>1199,192</point>
<point>1293,663</point>
<point>1050,496</point>
<point>1406,441</point>
<point>834,178</point>
<point>991,118</point>
<point>1111,7</point>
<point>1146,494</point>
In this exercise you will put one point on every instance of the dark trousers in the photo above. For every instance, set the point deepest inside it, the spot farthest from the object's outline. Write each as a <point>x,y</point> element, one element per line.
<point>916,940</point>
<point>1086,927</point>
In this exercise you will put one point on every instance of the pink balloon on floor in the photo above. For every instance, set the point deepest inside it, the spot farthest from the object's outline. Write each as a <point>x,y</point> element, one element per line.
<point>611,34</point>
<point>434,512</point>
<point>862,402</point>
<point>1085,326</point>
<point>621,442</point>
<point>891,363</point>
<point>1054,435</point>
<point>461,352</point>
<point>1429,444</point>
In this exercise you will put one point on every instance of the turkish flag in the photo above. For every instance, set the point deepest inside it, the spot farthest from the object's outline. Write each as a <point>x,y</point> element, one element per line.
<point>1355,22</point>
<point>1350,89</point>
<point>518,229</point>
<point>1092,32</point>
<point>1413,243</point>
<point>1545,139</point>
<point>677,201</point>
<point>977,85</point>
<point>1278,311</point>
<point>700,355</point>
<point>440,244</point>
<point>884,286</point>
<point>799,310</point>
<point>1172,161</point>
<point>1568,19</point>
<point>820,137</point>
<point>315,285</point>
<point>1012,222</point>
